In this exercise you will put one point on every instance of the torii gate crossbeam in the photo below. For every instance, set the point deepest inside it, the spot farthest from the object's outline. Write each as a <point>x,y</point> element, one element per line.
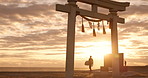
<point>66,8</point>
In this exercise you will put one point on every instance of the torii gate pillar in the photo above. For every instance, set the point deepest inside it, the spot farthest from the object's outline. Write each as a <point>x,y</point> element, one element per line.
<point>70,40</point>
<point>114,40</point>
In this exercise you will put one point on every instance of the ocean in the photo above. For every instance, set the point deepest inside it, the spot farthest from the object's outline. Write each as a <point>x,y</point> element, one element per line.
<point>35,69</point>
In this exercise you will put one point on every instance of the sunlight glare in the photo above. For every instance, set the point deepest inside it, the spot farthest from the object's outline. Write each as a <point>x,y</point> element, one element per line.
<point>97,49</point>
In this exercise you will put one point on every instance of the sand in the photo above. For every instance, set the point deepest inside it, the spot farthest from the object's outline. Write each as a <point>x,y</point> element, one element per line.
<point>78,74</point>
<point>39,75</point>
<point>134,72</point>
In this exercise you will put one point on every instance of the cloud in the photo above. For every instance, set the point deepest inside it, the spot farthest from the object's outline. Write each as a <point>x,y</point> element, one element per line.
<point>48,39</point>
<point>136,9</point>
<point>16,55</point>
<point>63,53</point>
<point>25,20</point>
<point>55,53</point>
<point>136,42</point>
<point>38,27</point>
<point>14,1</point>
<point>33,10</point>
<point>143,48</point>
<point>136,22</point>
<point>25,2</point>
<point>11,56</point>
<point>144,34</point>
<point>24,27</point>
<point>32,63</point>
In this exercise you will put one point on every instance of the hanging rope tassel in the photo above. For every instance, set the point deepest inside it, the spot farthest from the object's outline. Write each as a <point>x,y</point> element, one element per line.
<point>110,23</point>
<point>104,32</point>
<point>98,25</point>
<point>94,32</point>
<point>82,26</point>
<point>90,24</point>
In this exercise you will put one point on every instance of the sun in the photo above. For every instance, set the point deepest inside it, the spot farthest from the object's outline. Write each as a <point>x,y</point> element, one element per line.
<point>97,49</point>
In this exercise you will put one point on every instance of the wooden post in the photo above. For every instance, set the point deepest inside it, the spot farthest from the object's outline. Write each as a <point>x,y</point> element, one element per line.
<point>94,8</point>
<point>114,39</point>
<point>70,41</point>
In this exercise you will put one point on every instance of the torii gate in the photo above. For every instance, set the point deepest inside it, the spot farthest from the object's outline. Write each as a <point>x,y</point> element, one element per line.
<point>73,10</point>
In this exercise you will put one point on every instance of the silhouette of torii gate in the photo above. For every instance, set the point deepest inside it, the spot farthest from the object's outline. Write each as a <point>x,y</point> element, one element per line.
<point>73,10</point>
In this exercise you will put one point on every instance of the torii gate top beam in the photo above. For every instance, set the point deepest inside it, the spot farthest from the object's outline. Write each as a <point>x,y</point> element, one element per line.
<point>119,6</point>
<point>66,8</point>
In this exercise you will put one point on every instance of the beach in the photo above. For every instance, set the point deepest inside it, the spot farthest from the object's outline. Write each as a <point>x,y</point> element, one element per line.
<point>134,72</point>
<point>40,74</point>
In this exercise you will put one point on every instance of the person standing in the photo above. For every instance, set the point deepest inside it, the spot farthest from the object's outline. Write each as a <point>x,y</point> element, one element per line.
<point>125,63</point>
<point>90,63</point>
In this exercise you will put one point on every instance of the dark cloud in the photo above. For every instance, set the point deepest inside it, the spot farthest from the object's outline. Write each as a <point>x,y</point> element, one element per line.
<point>26,17</point>
<point>55,53</point>
<point>136,42</point>
<point>123,38</point>
<point>16,55</point>
<point>136,9</point>
<point>143,48</point>
<point>63,53</point>
<point>33,10</point>
<point>137,45</point>
<point>19,2</point>
<point>33,48</point>
<point>133,27</point>
<point>49,38</point>
<point>14,1</point>
<point>11,56</point>
<point>144,34</point>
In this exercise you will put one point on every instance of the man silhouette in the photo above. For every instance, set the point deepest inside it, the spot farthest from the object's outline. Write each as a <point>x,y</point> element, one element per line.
<point>125,63</point>
<point>90,63</point>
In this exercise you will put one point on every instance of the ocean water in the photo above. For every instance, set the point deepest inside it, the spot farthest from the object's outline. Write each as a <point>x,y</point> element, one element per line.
<point>35,69</point>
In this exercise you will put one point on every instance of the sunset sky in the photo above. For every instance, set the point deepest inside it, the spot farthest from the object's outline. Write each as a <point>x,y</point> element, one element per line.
<point>33,34</point>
